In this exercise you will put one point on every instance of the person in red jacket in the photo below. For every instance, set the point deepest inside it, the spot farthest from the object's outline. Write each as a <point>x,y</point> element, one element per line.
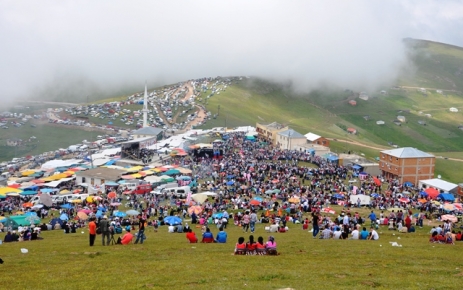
<point>240,247</point>
<point>191,236</point>
<point>92,231</point>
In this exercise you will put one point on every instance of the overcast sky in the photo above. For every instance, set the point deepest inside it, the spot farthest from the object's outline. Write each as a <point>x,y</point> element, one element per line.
<point>115,44</point>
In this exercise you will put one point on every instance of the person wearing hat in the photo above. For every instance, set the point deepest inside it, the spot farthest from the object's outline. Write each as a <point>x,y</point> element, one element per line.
<point>105,231</point>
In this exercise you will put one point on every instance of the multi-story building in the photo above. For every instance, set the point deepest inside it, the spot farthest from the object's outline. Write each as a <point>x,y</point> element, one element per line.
<point>407,164</point>
<point>270,132</point>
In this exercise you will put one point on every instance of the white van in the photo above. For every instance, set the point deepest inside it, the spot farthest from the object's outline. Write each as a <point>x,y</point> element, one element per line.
<point>62,198</point>
<point>181,191</point>
<point>129,185</point>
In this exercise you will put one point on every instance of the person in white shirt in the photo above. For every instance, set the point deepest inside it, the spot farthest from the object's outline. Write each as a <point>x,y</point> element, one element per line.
<point>171,229</point>
<point>355,234</point>
<point>337,233</point>
<point>373,235</point>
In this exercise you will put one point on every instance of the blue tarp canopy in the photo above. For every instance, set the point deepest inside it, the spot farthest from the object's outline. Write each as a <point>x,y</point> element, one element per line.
<point>446,196</point>
<point>333,158</point>
<point>111,183</point>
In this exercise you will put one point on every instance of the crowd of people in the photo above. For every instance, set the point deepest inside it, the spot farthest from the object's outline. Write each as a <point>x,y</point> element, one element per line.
<point>257,183</point>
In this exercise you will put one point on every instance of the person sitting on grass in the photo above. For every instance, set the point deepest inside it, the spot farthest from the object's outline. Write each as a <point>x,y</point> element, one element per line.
<point>434,237</point>
<point>271,246</point>
<point>207,237</point>
<point>260,246</point>
<point>373,234</point>
<point>251,246</point>
<point>126,239</point>
<point>458,236</point>
<point>364,234</point>
<point>221,236</point>
<point>191,236</point>
<point>240,247</point>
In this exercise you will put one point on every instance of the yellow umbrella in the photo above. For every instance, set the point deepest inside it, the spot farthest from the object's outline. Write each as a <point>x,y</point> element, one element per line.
<point>27,172</point>
<point>134,169</point>
<point>90,199</point>
<point>64,191</point>
<point>156,170</point>
<point>184,170</point>
<point>69,172</point>
<point>436,202</point>
<point>137,175</point>
<point>5,190</point>
<point>76,201</point>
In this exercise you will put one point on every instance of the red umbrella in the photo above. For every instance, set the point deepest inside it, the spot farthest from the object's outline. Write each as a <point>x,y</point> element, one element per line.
<point>328,210</point>
<point>377,181</point>
<point>404,199</point>
<point>254,202</point>
<point>275,181</point>
<point>112,194</point>
<point>432,192</point>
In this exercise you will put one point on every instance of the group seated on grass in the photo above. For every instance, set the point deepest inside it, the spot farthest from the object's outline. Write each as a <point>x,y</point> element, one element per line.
<point>445,237</point>
<point>256,248</point>
<point>23,234</point>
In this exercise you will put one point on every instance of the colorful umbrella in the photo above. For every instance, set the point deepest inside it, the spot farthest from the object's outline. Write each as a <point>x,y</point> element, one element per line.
<point>328,210</point>
<point>112,194</point>
<point>449,217</point>
<point>195,209</point>
<point>82,215</point>
<point>28,204</point>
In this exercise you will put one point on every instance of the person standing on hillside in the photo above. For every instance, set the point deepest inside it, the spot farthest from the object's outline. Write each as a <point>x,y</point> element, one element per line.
<point>141,229</point>
<point>315,221</point>
<point>92,231</point>
<point>104,228</point>
<point>253,221</point>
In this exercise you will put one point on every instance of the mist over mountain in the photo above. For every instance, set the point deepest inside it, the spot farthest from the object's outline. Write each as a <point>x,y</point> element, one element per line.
<point>73,50</point>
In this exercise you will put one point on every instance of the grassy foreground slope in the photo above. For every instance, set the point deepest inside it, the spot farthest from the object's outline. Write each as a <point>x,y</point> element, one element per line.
<point>167,261</point>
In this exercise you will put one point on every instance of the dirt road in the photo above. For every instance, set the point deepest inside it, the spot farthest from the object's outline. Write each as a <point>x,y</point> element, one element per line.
<point>380,148</point>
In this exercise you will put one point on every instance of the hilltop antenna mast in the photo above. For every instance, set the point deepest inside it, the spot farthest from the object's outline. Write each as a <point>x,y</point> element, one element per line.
<point>145,108</point>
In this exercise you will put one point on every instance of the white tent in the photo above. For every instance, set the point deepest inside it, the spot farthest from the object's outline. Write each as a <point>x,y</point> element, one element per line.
<point>439,184</point>
<point>52,164</point>
<point>379,122</point>
<point>364,199</point>
<point>453,110</point>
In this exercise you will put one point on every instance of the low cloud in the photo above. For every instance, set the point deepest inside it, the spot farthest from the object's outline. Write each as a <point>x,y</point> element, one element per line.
<point>68,49</point>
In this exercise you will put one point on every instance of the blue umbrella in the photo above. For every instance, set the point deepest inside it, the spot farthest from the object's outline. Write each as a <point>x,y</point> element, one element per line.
<point>67,206</point>
<point>31,213</point>
<point>55,221</point>
<point>230,176</point>
<point>28,193</point>
<point>258,198</point>
<point>218,215</point>
<point>64,217</point>
<point>101,209</point>
<point>99,214</point>
<point>374,195</point>
<point>338,196</point>
<point>423,193</point>
<point>120,214</point>
<point>45,190</point>
<point>173,220</point>
<point>231,182</point>
<point>408,183</point>
<point>183,177</point>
